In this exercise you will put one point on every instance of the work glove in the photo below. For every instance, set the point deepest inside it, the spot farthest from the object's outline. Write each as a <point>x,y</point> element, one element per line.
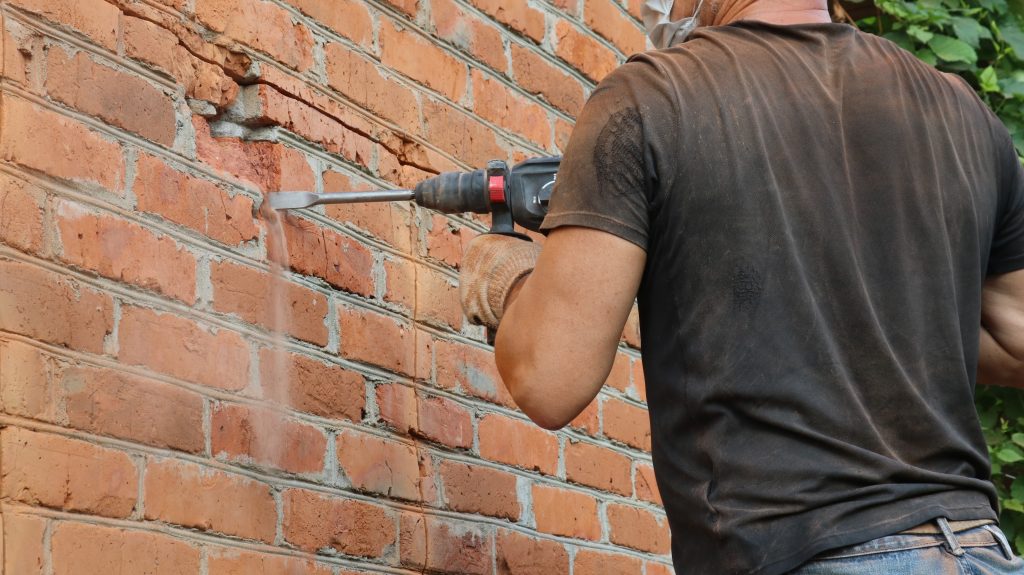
<point>491,266</point>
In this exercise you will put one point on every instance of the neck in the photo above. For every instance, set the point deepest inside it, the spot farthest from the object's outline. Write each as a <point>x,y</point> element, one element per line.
<point>774,12</point>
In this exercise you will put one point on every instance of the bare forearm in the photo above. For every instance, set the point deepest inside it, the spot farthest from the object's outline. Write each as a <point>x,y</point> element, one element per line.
<point>996,366</point>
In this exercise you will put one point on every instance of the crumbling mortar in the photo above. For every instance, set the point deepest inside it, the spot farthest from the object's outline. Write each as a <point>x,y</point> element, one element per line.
<point>139,512</point>
<point>111,342</point>
<point>524,493</point>
<point>47,548</point>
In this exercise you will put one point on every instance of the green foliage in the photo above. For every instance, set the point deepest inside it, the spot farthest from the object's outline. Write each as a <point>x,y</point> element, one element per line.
<point>982,41</point>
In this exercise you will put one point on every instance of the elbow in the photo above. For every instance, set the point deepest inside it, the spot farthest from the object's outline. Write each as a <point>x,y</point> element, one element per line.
<point>533,400</point>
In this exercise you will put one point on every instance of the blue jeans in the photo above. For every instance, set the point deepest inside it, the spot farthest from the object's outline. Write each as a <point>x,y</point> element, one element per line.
<point>979,551</point>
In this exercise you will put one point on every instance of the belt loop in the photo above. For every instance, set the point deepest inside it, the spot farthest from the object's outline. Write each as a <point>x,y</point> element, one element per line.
<point>1003,543</point>
<point>951,540</point>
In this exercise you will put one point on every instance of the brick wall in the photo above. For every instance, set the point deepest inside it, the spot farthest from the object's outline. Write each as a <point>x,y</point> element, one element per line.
<point>171,406</point>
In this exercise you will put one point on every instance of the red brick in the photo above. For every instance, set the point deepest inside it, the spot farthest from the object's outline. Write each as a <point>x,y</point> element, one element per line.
<point>567,513</point>
<point>589,420</point>
<point>638,528</point>
<point>389,222</point>
<point>639,381</point>
<point>633,6</point>
<point>120,99</point>
<point>125,406</point>
<point>598,467</point>
<point>349,18</point>
<point>311,386</point>
<point>340,261</point>
<point>269,166</point>
<point>187,351</point>
<point>379,465</point>
<point>658,569</point>
<point>607,19</point>
<point>537,75</point>
<point>76,316</point>
<point>21,219</point>
<point>563,133</point>
<point>263,437</point>
<point>359,79</point>
<point>627,423</point>
<point>229,561</point>
<point>51,471</point>
<point>582,52</point>
<point>408,7</point>
<point>26,388</point>
<point>469,33</point>
<point>631,333</point>
<point>518,443</point>
<point>570,7</point>
<point>398,406</point>
<point>58,146</point>
<point>594,563</point>
<point>436,295</point>
<point>516,14</point>
<point>444,421</point>
<point>377,339</point>
<point>23,545</point>
<point>410,54</point>
<point>126,252</point>
<point>194,203</point>
<point>495,102</point>
<point>18,51</point>
<point>476,489</point>
<point>94,18</point>
<point>518,554</point>
<point>269,300</point>
<point>464,137</point>
<point>198,497</point>
<point>83,549</point>
<point>447,240</point>
<point>620,373</point>
<point>263,26</point>
<point>440,545</point>
<point>313,522</point>
<point>148,42</point>
<point>471,370</point>
<point>645,484</point>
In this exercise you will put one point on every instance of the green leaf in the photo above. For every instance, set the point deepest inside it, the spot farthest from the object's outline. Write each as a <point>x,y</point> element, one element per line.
<point>952,50</point>
<point>1009,455</point>
<point>1014,37</point>
<point>989,82</point>
<point>1013,505</point>
<point>970,31</point>
<point>920,34</point>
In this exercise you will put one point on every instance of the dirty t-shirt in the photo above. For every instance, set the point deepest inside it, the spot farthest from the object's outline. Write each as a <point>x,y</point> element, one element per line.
<point>819,212</point>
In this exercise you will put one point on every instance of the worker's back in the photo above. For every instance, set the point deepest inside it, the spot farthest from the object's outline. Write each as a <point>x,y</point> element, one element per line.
<point>818,209</point>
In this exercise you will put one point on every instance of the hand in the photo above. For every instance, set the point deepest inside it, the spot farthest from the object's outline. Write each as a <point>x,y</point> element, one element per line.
<point>491,267</point>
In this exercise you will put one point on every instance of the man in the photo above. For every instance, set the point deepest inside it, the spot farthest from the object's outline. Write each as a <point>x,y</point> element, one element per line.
<point>815,225</point>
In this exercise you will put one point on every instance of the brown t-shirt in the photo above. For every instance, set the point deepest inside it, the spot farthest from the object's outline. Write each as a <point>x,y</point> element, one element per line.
<point>819,211</point>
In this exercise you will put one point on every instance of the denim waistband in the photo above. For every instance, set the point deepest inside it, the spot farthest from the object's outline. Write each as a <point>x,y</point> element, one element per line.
<point>955,540</point>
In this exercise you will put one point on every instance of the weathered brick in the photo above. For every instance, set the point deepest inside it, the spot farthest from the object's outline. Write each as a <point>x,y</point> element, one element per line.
<point>263,437</point>
<point>518,443</point>
<point>441,545</point>
<point>390,222</point>
<point>349,18</point>
<point>24,548</point>
<point>408,7</point>
<point>380,340</point>
<point>516,14</point>
<point>627,423</point>
<point>607,19</point>
<point>18,51</point>
<point>94,18</point>
<point>313,522</point>
<point>471,370</point>
<point>359,79</point>
<point>596,563</point>
<point>447,240</point>
<point>598,467</point>
<point>218,359</point>
<point>150,43</point>
<point>120,99</point>
<point>469,33</point>
<point>58,146</point>
<point>21,219</point>
<point>26,388</point>
<point>52,471</point>
<point>444,421</point>
<point>658,569</point>
<point>567,513</point>
<point>269,166</point>
<point>582,52</point>
<point>639,381</point>
<point>106,402</point>
<point>372,463</point>
<point>563,133</point>
<point>589,420</point>
<point>631,333</point>
<point>231,561</point>
<point>262,25</point>
<point>619,376</point>
<point>431,294</point>
<point>198,497</point>
<point>193,202</point>
<point>269,300</point>
<point>495,102</point>
<point>464,137</point>
<point>476,489</point>
<point>645,485</point>
<point>126,252</point>
<point>518,554</point>
<point>409,54</point>
<point>311,386</point>
<point>317,251</point>
<point>638,528</point>
<point>76,316</point>
<point>83,549</point>
<point>537,75</point>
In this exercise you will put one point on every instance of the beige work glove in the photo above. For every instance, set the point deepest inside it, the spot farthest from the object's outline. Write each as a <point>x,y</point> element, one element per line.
<point>491,266</point>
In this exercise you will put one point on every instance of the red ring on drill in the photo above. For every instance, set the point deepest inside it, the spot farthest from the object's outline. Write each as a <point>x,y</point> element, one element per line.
<point>496,187</point>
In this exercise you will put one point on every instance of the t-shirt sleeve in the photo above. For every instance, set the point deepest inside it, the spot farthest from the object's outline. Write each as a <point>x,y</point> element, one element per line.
<point>603,180</point>
<point>1007,253</point>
